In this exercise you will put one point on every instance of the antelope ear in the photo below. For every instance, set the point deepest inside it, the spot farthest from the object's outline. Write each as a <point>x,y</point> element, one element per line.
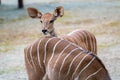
<point>59,11</point>
<point>34,13</point>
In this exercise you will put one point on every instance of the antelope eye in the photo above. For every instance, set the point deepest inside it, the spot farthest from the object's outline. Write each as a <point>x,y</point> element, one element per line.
<point>41,21</point>
<point>51,21</point>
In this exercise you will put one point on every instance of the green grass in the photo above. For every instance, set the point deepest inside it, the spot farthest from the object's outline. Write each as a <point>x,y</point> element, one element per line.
<point>6,46</point>
<point>1,20</point>
<point>106,45</point>
<point>67,15</point>
<point>12,69</point>
<point>20,18</point>
<point>114,23</point>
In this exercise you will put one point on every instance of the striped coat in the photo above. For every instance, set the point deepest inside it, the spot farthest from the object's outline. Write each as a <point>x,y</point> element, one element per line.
<point>84,39</point>
<point>62,60</point>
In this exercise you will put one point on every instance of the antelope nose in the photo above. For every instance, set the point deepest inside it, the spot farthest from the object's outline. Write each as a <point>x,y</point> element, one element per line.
<point>44,31</point>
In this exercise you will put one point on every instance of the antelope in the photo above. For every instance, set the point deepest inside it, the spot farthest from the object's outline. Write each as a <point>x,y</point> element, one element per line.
<point>47,19</point>
<point>83,38</point>
<point>58,59</point>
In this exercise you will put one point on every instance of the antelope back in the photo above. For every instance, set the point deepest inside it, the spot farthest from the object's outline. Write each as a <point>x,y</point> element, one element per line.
<point>84,39</point>
<point>62,60</point>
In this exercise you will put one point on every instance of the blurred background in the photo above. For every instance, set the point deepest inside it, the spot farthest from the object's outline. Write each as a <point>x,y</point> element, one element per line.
<point>17,30</point>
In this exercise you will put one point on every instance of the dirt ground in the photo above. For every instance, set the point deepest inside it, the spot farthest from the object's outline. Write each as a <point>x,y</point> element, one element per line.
<point>19,31</point>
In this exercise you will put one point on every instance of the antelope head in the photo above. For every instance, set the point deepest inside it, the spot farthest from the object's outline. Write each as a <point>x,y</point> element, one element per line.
<point>47,19</point>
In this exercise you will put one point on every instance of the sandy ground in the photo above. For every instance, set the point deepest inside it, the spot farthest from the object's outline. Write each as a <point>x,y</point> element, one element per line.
<point>18,30</point>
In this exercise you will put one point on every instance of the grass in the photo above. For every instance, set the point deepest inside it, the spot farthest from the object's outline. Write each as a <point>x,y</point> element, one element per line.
<point>113,23</point>
<point>107,45</point>
<point>12,69</point>
<point>6,46</point>
<point>20,18</point>
<point>1,20</point>
<point>67,15</point>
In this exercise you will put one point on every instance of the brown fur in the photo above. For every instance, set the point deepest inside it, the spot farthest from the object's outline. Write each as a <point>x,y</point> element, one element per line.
<point>84,39</point>
<point>47,45</point>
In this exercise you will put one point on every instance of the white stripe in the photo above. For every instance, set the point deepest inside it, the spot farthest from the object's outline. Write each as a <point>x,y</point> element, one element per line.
<point>74,44</point>
<point>69,34</point>
<point>95,46</point>
<point>86,39</point>
<point>93,74</point>
<point>80,64</point>
<point>45,49</point>
<point>38,55</point>
<point>66,58</point>
<point>27,58</point>
<point>92,41</point>
<point>86,66</point>
<point>73,61</point>
<point>77,46</point>
<point>32,58</point>
<point>91,44</point>
<point>53,53</point>
<point>60,55</point>
<point>81,40</point>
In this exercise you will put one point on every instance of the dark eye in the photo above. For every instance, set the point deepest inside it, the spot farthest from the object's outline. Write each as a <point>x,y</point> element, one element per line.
<point>41,21</point>
<point>51,21</point>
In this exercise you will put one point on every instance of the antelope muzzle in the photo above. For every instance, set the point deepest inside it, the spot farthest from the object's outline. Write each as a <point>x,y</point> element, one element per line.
<point>45,32</point>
